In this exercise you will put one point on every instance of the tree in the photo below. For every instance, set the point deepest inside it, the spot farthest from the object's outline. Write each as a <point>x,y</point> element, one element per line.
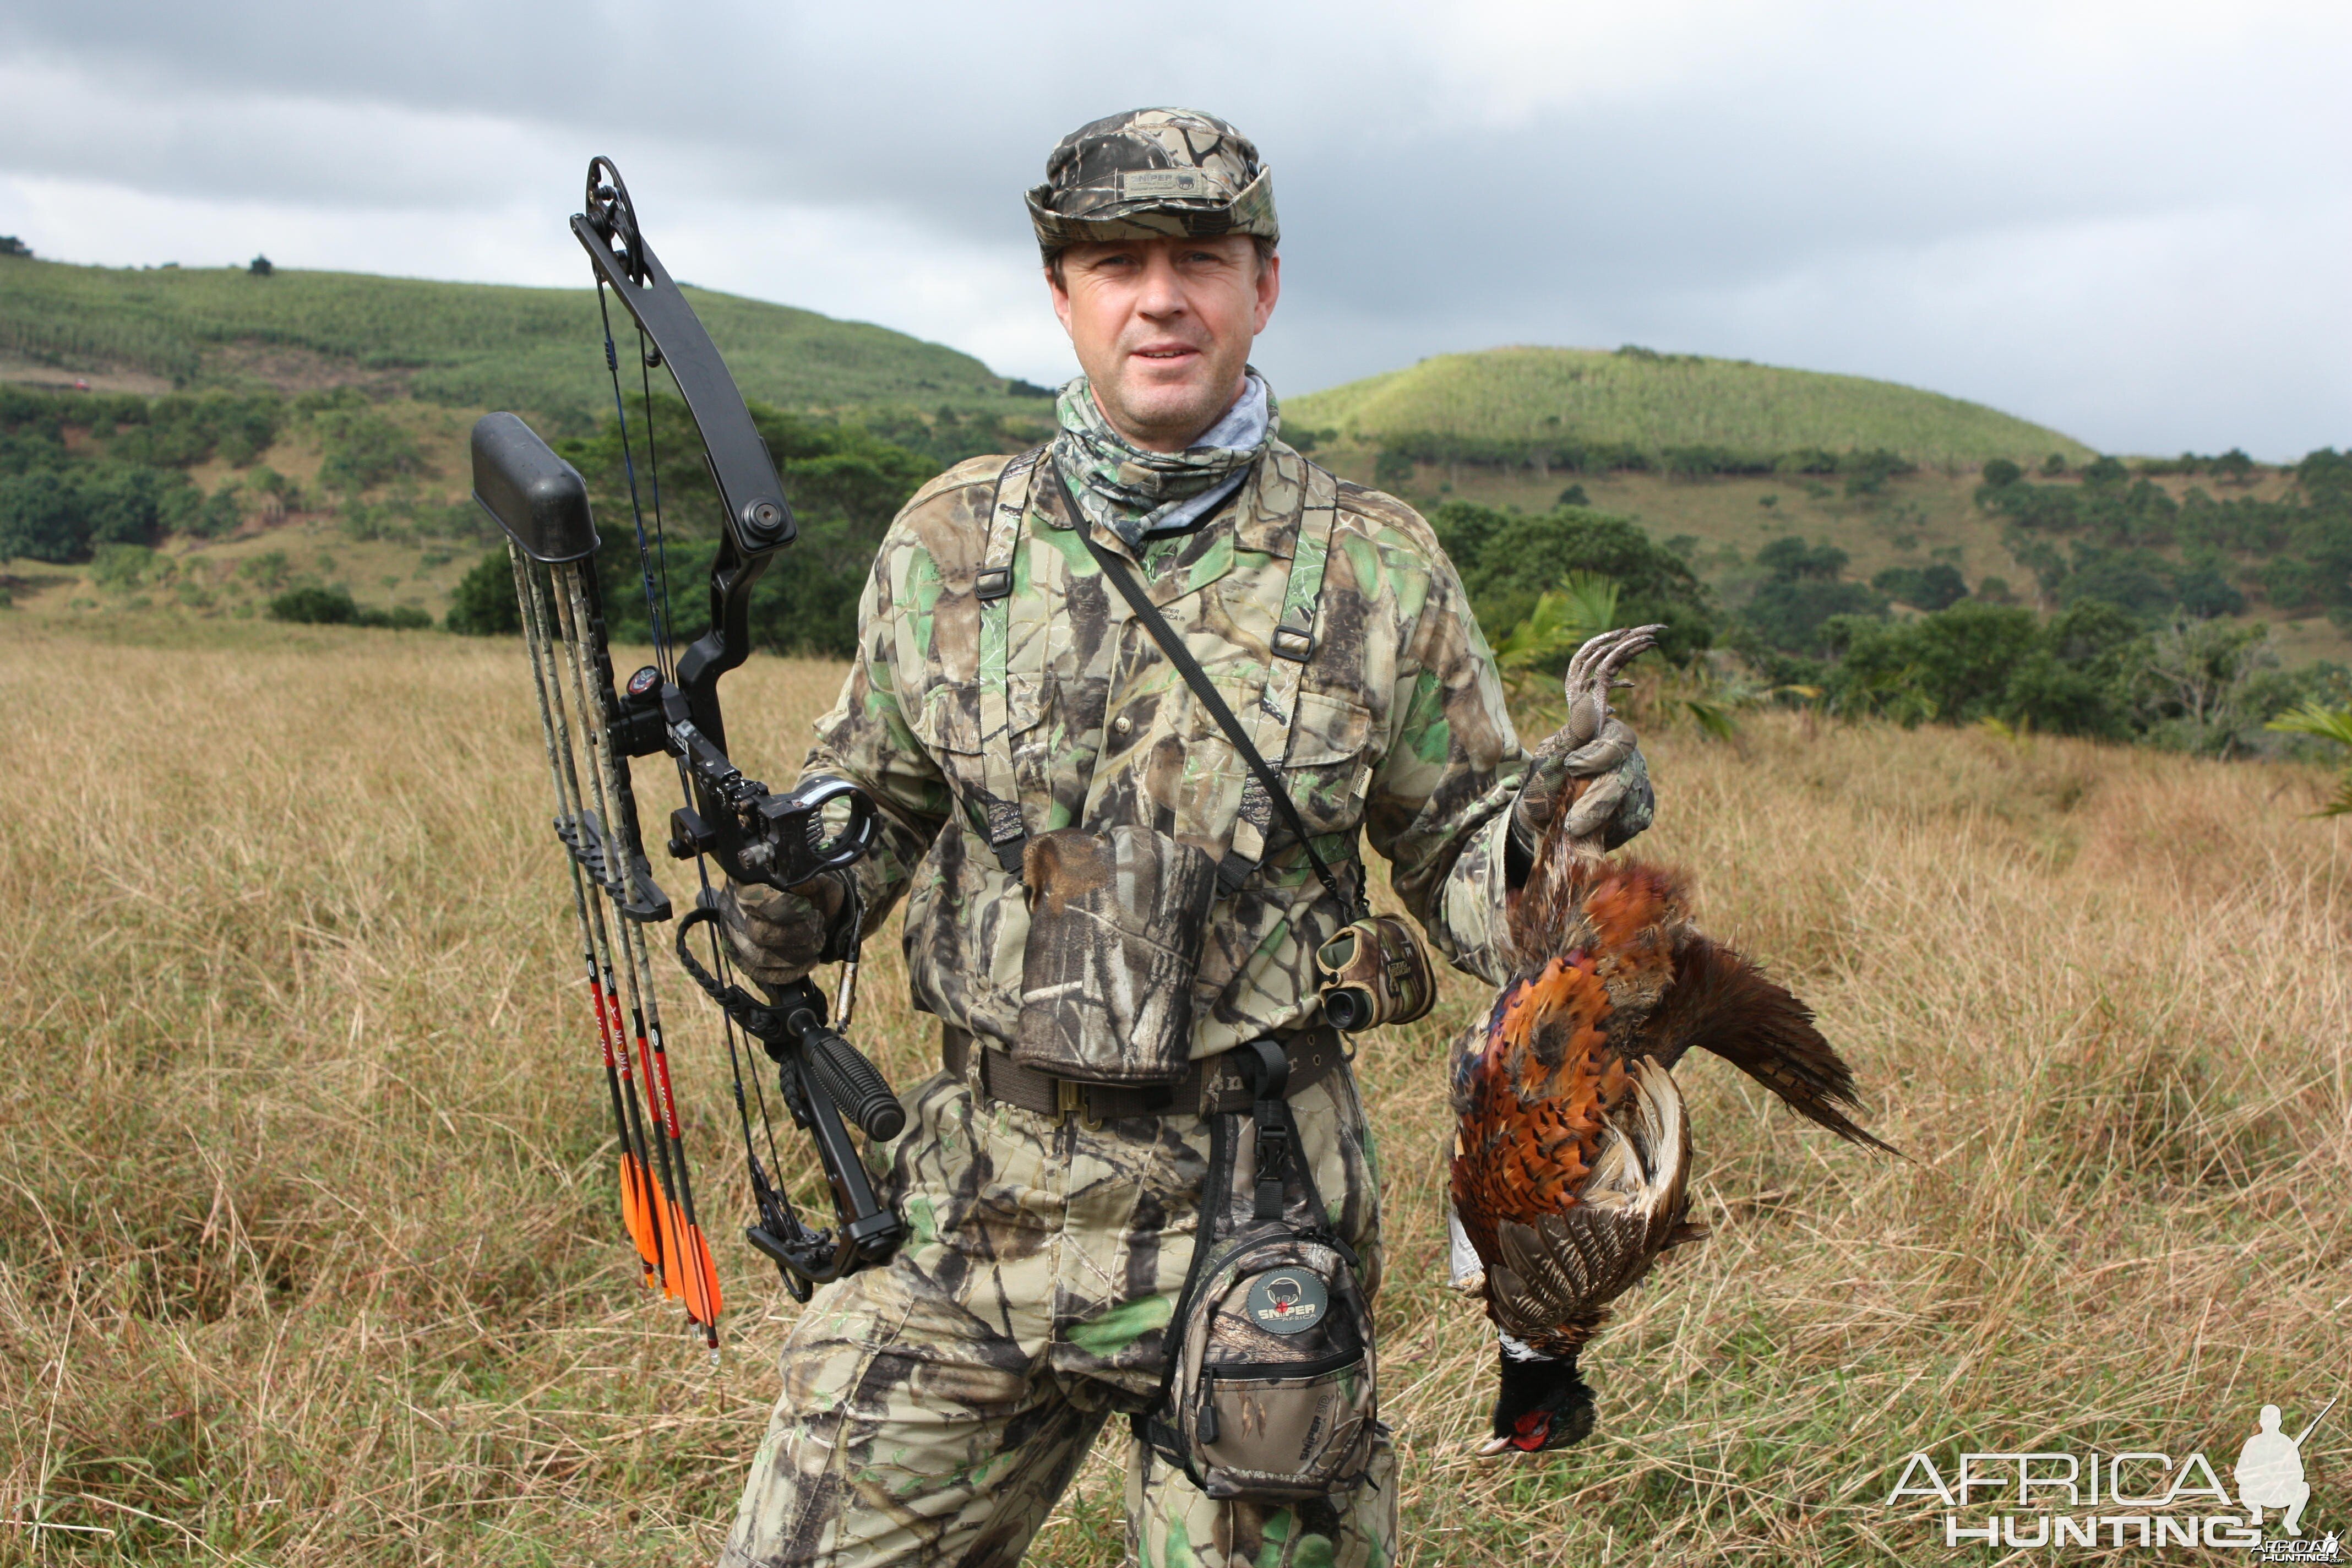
<point>41,518</point>
<point>1929,588</point>
<point>260,266</point>
<point>11,245</point>
<point>1790,559</point>
<point>1508,560</point>
<point>2192,680</point>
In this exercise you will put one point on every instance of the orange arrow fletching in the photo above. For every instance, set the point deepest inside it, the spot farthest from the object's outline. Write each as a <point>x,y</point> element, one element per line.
<point>702,1279</point>
<point>636,1213</point>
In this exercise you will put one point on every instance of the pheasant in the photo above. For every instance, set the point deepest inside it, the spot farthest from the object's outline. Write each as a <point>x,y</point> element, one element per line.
<point>1572,1152</point>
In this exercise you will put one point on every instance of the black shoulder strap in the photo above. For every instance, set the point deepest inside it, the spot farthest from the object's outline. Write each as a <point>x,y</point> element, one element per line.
<point>1194,677</point>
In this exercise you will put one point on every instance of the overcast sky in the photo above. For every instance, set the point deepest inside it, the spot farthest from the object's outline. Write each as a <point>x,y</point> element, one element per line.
<point>2129,220</point>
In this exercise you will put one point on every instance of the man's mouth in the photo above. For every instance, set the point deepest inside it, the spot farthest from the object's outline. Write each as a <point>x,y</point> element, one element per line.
<point>1167,353</point>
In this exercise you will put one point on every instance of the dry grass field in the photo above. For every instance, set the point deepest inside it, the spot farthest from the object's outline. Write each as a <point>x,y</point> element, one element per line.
<point>310,1250</point>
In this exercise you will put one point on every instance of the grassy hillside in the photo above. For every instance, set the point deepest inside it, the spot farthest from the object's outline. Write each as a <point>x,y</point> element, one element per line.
<point>466,344</point>
<point>311,1253</point>
<point>1650,402</point>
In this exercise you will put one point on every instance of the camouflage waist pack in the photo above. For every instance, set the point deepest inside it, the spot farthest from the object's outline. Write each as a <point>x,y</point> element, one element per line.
<point>1270,1386</point>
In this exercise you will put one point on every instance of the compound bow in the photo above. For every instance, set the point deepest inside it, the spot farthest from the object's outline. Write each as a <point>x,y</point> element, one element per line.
<point>590,730</point>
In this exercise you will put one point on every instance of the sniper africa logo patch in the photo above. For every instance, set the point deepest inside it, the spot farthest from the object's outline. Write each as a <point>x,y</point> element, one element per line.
<point>1286,1301</point>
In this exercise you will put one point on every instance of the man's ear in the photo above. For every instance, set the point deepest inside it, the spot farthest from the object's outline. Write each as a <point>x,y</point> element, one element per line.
<point>1056,287</point>
<point>1269,288</point>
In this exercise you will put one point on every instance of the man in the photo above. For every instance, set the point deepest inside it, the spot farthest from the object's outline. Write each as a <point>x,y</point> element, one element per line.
<point>934,1409</point>
<point>2269,1473</point>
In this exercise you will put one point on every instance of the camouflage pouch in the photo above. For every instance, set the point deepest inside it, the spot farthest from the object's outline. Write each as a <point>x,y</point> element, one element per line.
<point>1118,922</point>
<point>1269,1392</point>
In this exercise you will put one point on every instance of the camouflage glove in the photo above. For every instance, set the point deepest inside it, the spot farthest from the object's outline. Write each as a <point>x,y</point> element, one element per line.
<point>777,937</point>
<point>1593,744</point>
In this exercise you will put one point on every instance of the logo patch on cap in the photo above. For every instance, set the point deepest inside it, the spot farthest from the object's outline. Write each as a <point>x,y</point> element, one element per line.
<point>1167,183</point>
<point>1286,1301</point>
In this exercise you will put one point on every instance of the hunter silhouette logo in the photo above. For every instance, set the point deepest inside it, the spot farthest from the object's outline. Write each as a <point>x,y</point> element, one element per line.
<point>2130,1498</point>
<point>1285,1302</point>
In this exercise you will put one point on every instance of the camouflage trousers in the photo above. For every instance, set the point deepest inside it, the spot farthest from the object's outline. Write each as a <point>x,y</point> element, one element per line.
<point>934,1410</point>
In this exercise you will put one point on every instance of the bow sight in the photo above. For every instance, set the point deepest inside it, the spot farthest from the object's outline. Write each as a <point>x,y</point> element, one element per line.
<point>590,730</point>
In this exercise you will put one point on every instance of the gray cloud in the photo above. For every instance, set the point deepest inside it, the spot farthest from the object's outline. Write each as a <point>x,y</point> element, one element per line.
<point>2122,220</point>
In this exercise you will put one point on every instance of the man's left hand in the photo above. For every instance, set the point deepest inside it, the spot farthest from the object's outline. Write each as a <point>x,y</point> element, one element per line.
<point>1594,745</point>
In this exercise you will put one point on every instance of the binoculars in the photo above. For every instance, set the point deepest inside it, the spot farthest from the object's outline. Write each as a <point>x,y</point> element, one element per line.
<point>1374,972</point>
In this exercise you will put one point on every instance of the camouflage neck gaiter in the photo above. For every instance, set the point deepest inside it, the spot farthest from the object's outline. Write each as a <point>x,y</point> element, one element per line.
<point>1133,492</point>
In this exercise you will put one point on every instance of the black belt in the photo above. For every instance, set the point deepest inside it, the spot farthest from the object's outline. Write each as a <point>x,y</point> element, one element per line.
<point>1213,1086</point>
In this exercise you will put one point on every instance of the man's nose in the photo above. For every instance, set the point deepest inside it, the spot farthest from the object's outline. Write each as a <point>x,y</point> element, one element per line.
<point>1163,294</point>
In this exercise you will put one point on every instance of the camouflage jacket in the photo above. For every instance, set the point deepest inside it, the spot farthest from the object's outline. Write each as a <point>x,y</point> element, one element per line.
<point>967,703</point>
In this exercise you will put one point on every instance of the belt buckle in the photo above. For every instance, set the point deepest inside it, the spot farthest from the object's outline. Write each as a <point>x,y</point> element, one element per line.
<point>1070,1100</point>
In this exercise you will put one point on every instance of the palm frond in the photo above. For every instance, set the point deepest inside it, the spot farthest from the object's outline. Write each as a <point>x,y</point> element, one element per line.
<point>2329,724</point>
<point>1584,607</point>
<point>2311,718</point>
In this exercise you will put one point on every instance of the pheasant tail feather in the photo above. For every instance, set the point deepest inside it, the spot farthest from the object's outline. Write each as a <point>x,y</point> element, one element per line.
<point>1724,1004</point>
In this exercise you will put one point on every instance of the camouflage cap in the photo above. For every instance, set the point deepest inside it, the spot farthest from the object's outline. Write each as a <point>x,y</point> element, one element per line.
<point>1152,172</point>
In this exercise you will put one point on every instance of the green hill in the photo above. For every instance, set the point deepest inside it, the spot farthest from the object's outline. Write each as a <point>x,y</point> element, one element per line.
<point>1638,400</point>
<point>463,344</point>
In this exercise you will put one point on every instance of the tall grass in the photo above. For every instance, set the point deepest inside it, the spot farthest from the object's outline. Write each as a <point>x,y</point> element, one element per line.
<point>310,1250</point>
<point>1652,401</point>
<point>471,344</point>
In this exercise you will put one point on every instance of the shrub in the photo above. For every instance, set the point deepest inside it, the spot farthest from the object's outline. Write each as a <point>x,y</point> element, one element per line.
<point>2001,471</point>
<point>312,606</point>
<point>1867,473</point>
<point>364,450</point>
<point>483,604</point>
<point>122,567</point>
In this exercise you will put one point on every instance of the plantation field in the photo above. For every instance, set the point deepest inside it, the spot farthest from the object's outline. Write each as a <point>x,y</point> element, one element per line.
<point>309,1251</point>
<point>1647,401</point>
<point>467,344</point>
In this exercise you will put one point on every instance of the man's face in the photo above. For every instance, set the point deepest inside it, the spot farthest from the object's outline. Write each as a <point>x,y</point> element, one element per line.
<point>1163,326</point>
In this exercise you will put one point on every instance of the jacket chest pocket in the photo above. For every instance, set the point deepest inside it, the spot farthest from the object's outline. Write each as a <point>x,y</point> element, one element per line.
<point>1048,734</point>
<point>1328,767</point>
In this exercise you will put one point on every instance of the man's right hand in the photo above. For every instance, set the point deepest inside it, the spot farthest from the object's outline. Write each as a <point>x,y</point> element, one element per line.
<point>777,937</point>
